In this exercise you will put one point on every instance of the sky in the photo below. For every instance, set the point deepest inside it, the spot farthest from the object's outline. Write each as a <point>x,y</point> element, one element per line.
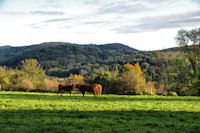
<point>141,24</point>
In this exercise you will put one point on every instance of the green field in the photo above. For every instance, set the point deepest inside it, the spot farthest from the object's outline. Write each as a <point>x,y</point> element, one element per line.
<point>46,112</point>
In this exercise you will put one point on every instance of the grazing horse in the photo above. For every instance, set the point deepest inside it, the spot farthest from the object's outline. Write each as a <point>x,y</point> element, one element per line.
<point>84,87</point>
<point>95,88</point>
<point>65,87</point>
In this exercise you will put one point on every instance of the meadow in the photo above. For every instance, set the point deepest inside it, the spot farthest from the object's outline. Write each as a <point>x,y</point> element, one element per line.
<point>26,112</point>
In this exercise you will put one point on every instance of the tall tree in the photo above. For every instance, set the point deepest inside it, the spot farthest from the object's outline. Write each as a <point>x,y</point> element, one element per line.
<point>189,40</point>
<point>32,71</point>
<point>133,80</point>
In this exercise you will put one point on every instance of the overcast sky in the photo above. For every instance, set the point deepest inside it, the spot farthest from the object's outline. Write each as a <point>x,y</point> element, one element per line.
<point>141,24</point>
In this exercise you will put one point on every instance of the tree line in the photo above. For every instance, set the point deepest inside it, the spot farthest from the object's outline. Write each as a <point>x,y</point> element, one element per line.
<point>30,76</point>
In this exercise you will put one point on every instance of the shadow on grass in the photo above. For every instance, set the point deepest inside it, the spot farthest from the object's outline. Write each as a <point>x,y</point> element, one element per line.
<point>53,96</point>
<point>98,121</point>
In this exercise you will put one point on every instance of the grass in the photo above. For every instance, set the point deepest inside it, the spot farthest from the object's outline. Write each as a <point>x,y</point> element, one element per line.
<point>46,112</point>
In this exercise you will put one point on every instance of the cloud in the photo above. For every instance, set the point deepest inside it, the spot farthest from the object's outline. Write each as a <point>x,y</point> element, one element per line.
<point>147,24</point>
<point>51,6</point>
<point>93,2</point>
<point>57,20</point>
<point>125,8</point>
<point>96,22</point>
<point>52,3</point>
<point>39,12</point>
<point>13,13</point>
<point>44,23</point>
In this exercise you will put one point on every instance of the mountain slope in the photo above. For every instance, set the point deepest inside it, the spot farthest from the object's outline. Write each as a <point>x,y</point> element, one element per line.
<point>68,56</point>
<point>8,52</point>
<point>4,47</point>
<point>116,46</point>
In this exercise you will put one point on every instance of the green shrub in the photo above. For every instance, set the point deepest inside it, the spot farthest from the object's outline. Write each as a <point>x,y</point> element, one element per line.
<point>186,91</point>
<point>50,85</point>
<point>25,85</point>
<point>172,93</point>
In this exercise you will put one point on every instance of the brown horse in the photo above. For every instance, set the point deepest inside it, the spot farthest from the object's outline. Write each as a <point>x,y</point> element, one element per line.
<point>65,87</point>
<point>95,88</point>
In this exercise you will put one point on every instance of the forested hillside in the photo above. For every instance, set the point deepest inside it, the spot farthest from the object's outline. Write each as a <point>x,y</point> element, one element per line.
<point>163,68</point>
<point>61,59</point>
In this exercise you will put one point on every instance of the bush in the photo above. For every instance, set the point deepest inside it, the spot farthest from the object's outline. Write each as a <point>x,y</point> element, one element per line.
<point>25,85</point>
<point>161,91</point>
<point>50,85</point>
<point>186,91</point>
<point>150,88</point>
<point>172,93</point>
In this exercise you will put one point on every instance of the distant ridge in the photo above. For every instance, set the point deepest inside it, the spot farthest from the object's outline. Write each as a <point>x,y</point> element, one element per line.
<point>5,47</point>
<point>11,56</point>
<point>116,46</point>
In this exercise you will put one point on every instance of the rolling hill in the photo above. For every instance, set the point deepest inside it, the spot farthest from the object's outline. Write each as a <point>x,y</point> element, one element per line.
<point>60,59</point>
<point>67,56</point>
<point>9,52</point>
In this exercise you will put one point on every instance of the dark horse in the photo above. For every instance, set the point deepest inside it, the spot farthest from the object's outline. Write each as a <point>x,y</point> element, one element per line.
<point>65,87</point>
<point>95,88</point>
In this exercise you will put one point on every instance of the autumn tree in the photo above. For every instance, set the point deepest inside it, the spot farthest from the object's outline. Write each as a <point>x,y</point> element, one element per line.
<point>133,80</point>
<point>32,69</point>
<point>30,77</point>
<point>4,77</point>
<point>75,76</point>
<point>151,87</point>
<point>128,67</point>
<point>75,79</point>
<point>31,72</point>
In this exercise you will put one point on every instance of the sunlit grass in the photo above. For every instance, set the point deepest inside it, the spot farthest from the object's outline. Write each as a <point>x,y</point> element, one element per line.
<point>47,112</point>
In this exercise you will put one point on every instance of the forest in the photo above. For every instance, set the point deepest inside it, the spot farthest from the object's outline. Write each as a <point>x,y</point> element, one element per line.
<point>173,71</point>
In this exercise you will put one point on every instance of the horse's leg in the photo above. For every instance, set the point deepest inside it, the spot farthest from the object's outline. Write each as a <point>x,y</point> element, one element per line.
<point>58,91</point>
<point>83,93</point>
<point>70,92</point>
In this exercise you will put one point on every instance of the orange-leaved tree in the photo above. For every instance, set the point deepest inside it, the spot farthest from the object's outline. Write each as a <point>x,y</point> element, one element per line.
<point>133,80</point>
<point>75,79</point>
<point>128,67</point>
<point>75,76</point>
